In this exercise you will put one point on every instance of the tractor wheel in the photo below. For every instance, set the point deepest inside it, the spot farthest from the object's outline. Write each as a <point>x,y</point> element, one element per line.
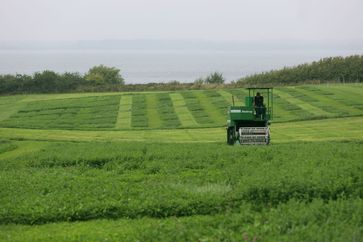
<point>230,136</point>
<point>268,139</point>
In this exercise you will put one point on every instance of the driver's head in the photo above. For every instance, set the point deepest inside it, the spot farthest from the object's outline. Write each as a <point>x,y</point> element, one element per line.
<point>258,94</point>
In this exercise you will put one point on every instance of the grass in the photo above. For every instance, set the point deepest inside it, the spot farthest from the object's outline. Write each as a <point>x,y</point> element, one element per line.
<point>139,116</point>
<point>196,109</point>
<point>169,110</point>
<point>313,130</point>
<point>155,167</point>
<point>181,110</point>
<point>124,113</point>
<point>291,222</point>
<point>127,191</point>
<point>83,181</point>
<point>80,113</point>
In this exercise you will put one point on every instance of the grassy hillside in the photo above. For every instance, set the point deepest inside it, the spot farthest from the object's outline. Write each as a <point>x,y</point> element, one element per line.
<point>155,167</point>
<point>160,110</point>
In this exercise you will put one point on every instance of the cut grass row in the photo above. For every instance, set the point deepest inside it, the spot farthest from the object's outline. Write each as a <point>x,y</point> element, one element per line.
<point>184,109</point>
<point>313,130</point>
<point>85,113</point>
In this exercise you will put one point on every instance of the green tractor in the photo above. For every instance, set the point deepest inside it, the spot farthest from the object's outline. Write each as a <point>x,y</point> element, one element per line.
<point>249,124</point>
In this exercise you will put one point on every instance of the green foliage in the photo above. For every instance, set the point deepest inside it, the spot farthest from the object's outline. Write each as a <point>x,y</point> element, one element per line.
<point>83,181</point>
<point>100,75</point>
<point>294,221</point>
<point>336,69</point>
<point>215,78</point>
<point>200,81</point>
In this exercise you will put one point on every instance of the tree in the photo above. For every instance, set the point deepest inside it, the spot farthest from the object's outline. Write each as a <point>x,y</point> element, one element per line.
<point>101,74</point>
<point>45,81</point>
<point>199,81</point>
<point>215,78</point>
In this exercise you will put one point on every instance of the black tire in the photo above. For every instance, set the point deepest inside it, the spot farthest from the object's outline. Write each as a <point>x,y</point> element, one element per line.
<point>230,136</point>
<point>268,140</point>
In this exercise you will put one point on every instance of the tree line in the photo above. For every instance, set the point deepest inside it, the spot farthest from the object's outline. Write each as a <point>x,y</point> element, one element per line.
<point>50,81</point>
<point>332,69</point>
<point>102,78</point>
<point>98,79</point>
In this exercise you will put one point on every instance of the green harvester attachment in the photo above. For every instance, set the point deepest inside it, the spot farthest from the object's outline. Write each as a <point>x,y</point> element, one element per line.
<point>249,124</point>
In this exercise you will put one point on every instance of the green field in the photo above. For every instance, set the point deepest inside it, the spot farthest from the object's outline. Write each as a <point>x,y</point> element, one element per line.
<point>154,166</point>
<point>170,110</point>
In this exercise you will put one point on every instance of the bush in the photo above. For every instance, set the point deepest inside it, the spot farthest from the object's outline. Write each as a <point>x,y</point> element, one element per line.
<point>215,78</point>
<point>101,74</point>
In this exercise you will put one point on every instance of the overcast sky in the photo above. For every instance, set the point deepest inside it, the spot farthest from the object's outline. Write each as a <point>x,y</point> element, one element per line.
<point>233,20</point>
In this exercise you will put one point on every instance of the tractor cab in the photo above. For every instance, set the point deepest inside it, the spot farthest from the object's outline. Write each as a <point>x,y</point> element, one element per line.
<point>249,123</point>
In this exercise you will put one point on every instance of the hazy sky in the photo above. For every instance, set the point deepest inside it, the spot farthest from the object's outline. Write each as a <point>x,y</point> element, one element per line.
<point>64,20</point>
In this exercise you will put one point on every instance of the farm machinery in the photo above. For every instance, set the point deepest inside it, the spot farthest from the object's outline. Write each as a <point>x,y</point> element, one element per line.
<point>249,124</point>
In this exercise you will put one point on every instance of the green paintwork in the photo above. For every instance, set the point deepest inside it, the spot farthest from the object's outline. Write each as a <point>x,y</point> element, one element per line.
<point>249,101</point>
<point>247,112</point>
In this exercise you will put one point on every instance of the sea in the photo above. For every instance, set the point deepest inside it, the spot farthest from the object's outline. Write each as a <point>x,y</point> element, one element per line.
<point>145,66</point>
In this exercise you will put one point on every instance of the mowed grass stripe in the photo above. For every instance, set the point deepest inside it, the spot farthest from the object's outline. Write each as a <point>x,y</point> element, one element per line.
<point>279,111</point>
<point>313,130</point>
<point>212,111</point>
<point>238,95</point>
<point>139,117</point>
<point>196,109</point>
<point>328,103</point>
<point>218,101</point>
<point>355,89</point>
<point>79,113</point>
<point>7,109</point>
<point>166,111</point>
<point>330,112</point>
<point>153,116</point>
<point>45,97</point>
<point>283,93</point>
<point>348,95</point>
<point>124,112</point>
<point>290,110</point>
<point>226,95</point>
<point>181,110</point>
